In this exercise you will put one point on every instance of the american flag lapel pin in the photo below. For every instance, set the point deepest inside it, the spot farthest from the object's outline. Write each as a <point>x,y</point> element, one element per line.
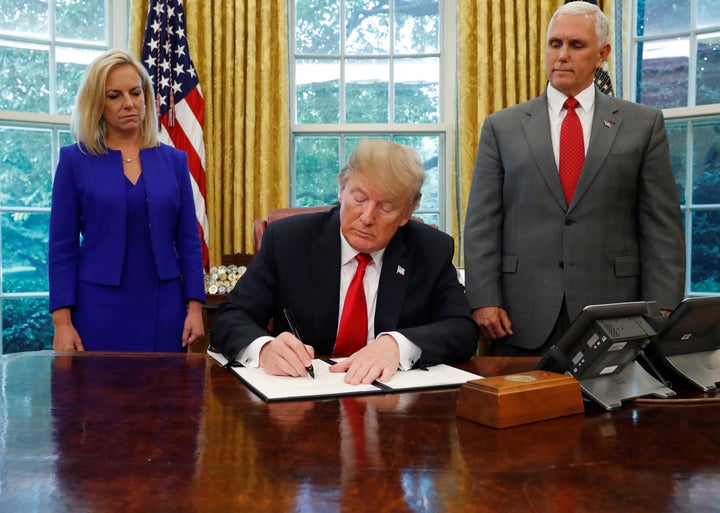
<point>607,124</point>
<point>401,270</point>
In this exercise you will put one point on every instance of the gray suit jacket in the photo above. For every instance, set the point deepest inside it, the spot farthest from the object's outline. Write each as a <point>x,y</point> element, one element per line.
<point>621,238</point>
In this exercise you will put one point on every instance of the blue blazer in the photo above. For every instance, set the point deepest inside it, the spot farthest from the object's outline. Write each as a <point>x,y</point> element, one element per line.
<point>298,267</point>
<point>88,200</point>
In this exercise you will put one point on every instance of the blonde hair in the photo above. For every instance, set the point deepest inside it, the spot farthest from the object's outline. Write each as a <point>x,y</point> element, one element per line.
<point>87,124</point>
<point>396,170</point>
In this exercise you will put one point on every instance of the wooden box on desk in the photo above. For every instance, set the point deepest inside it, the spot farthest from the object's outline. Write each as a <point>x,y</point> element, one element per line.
<point>505,401</point>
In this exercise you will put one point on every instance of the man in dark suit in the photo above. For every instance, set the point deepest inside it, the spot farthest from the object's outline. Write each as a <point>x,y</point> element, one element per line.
<point>534,258</point>
<point>417,312</point>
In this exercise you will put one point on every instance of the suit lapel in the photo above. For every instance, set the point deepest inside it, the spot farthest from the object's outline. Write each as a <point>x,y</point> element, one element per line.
<point>606,122</point>
<point>325,293</point>
<point>396,269</point>
<point>536,126</point>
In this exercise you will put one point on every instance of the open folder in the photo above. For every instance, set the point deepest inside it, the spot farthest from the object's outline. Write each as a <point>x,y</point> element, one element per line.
<point>329,384</point>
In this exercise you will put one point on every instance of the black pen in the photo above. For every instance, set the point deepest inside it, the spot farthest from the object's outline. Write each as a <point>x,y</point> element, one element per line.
<point>293,329</point>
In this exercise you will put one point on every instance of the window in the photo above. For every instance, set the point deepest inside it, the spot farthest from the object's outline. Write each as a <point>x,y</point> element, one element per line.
<point>368,68</point>
<point>44,49</point>
<point>676,51</point>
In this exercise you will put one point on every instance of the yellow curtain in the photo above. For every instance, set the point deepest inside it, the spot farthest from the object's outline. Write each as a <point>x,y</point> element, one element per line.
<point>240,50</point>
<point>501,54</point>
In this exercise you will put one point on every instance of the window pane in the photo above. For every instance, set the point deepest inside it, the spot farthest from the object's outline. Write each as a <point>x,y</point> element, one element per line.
<point>317,27</point>
<point>366,91</point>
<point>71,65</point>
<point>663,73</point>
<point>367,27</point>
<point>25,168</point>
<point>24,17</point>
<point>65,138</point>
<point>318,90</point>
<point>708,13</point>
<point>417,90</point>
<point>26,325</point>
<point>428,146</point>
<point>24,251</point>
<point>25,78</point>
<point>350,142</point>
<point>317,162</point>
<point>662,16</point>
<point>705,257</point>
<point>417,28</point>
<point>706,162</point>
<point>80,20</point>
<point>708,69</point>
<point>677,137</point>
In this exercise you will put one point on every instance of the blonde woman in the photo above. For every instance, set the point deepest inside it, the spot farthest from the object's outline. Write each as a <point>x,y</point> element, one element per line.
<point>125,260</point>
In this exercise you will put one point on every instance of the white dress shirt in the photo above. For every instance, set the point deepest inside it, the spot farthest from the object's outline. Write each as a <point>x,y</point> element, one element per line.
<point>409,352</point>
<point>557,113</point>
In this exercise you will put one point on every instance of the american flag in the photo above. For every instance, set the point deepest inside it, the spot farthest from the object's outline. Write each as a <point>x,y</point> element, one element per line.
<point>603,80</point>
<point>180,104</point>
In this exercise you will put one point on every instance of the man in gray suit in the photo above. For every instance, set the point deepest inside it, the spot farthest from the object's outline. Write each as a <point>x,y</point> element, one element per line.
<point>534,259</point>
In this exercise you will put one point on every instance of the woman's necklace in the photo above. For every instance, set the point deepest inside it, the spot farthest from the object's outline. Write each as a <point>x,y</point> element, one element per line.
<point>131,158</point>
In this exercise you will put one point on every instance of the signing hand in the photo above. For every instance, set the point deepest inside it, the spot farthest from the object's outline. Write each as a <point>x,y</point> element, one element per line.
<point>285,355</point>
<point>378,360</point>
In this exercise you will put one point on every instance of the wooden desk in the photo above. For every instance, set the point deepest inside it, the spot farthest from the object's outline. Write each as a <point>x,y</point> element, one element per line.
<point>178,433</point>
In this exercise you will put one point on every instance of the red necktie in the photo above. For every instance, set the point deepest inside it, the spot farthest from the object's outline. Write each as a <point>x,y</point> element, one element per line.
<point>352,334</point>
<point>572,149</point>
<point>355,415</point>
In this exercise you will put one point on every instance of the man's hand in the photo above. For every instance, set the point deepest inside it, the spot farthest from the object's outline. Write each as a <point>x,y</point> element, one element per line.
<point>493,321</point>
<point>285,355</point>
<point>378,360</point>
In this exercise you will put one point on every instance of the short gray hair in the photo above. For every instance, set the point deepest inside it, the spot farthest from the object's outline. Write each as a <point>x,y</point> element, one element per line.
<point>602,25</point>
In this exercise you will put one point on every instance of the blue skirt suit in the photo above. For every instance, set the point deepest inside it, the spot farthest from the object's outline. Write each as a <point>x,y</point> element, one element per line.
<point>125,258</point>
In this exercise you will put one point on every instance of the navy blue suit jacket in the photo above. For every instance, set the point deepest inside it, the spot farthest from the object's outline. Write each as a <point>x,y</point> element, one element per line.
<point>298,267</point>
<point>89,198</point>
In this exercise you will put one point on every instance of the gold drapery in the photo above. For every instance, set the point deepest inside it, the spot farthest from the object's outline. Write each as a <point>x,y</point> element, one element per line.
<point>240,51</point>
<point>501,55</point>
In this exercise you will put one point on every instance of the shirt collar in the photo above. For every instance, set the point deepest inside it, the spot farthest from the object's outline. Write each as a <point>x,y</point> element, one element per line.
<point>347,252</point>
<point>556,99</point>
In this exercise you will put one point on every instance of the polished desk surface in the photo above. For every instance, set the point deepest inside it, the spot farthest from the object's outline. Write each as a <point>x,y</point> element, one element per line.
<point>176,433</point>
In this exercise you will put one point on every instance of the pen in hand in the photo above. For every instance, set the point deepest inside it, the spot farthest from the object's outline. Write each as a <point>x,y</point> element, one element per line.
<point>293,329</point>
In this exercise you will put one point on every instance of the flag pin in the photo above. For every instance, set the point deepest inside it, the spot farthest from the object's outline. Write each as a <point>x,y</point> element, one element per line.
<point>401,270</point>
<point>608,124</point>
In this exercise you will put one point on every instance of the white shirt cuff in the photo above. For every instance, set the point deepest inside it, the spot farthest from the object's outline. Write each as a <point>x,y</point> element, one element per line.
<point>409,352</point>
<point>250,356</point>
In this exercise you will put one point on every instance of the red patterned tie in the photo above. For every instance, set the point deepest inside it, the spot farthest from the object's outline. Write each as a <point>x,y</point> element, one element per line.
<point>572,149</point>
<point>352,334</point>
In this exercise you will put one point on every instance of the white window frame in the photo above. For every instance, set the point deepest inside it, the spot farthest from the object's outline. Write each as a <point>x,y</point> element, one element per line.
<point>445,129</point>
<point>116,37</point>
<point>689,114</point>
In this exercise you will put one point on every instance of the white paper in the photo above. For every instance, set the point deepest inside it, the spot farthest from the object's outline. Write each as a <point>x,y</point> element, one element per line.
<point>328,383</point>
